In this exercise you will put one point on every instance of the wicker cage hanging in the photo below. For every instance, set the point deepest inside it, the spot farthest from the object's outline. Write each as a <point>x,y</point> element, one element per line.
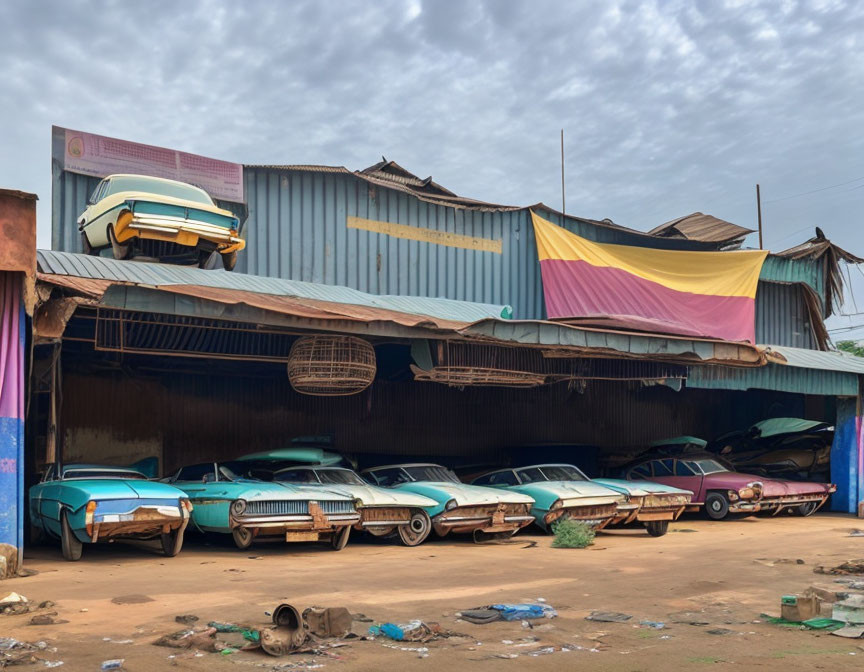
<point>331,366</point>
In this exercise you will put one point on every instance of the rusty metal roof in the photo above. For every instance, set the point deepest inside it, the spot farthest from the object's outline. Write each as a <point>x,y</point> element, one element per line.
<point>164,275</point>
<point>702,227</point>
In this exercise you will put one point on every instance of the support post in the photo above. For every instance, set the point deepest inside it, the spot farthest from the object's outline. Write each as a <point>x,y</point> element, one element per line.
<point>759,214</point>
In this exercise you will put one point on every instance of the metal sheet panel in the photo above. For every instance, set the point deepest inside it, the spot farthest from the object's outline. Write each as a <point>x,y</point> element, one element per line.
<point>782,316</point>
<point>817,360</point>
<point>776,377</point>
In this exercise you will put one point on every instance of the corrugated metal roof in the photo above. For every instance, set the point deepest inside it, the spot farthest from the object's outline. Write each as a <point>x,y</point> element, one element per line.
<point>159,275</point>
<point>776,377</point>
<point>815,359</point>
<point>698,226</point>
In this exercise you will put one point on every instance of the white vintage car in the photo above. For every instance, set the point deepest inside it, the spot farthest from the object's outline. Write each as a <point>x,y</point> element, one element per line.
<point>129,212</point>
<point>382,511</point>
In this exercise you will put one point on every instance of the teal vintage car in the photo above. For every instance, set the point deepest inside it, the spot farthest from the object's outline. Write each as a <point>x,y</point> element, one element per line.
<point>383,511</point>
<point>458,507</point>
<point>560,491</point>
<point>250,509</point>
<point>656,504</point>
<point>89,503</point>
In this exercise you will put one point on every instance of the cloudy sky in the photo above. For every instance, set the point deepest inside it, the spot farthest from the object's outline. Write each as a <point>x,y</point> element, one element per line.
<point>668,107</point>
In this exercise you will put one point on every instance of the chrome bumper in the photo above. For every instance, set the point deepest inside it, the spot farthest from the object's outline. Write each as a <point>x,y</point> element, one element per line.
<point>174,225</point>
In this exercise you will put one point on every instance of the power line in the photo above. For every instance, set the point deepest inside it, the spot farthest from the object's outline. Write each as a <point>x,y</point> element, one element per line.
<point>814,191</point>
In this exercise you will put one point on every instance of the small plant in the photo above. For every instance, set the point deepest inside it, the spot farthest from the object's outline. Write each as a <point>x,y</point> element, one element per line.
<point>572,534</point>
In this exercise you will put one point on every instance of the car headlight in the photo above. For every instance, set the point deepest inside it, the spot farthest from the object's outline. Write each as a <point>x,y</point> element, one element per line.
<point>450,505</point>
<point>733,496</point>
<point>358,503</point>
<point>238,506</point>
<point>746,493</point>
<point>557,504</point>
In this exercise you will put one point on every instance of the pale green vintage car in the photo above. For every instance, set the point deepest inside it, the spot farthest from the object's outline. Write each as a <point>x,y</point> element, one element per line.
<point>251,510</point>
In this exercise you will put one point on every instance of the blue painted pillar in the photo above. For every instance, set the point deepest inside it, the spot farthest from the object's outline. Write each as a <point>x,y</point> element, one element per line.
<point>11,422</point>
<point>847,470</point>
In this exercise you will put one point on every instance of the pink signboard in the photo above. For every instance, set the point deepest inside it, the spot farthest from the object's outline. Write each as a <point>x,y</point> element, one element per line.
<point>99,156</point>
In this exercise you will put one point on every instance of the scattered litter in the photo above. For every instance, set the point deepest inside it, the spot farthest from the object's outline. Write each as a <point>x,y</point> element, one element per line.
<point>608,617</point>
<point>720,631</point>
<point>14,604</point>
<point>828,624</point>
<point>508,612</point>
<point>84,610</point>
<point>657,625</point>
<point>328,622</point>
<point>131,599</point>
<point>118,641</point>
<point>15,652</point>
<point>848,567</point>
<point>850,610</point>
<point>114,664</point>
<point>53,663</point>
<point>256,557</point>
<point>46,619</point>
<point>682,529</point>
<point>850,631</point>
<point>186,619</point>
<point>769,562</point>
<point>530,544</point>
<point>361,618</point>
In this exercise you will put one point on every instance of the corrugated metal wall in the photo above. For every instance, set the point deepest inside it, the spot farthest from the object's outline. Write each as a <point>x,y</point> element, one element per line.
<point>782,317</point>
<point>193,416</point>
<point>297,230</point>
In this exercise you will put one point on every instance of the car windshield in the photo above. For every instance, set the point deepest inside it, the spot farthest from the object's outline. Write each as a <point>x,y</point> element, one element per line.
<point>707,466</point>
<point>339,477</point>
<point>554,472</point>
<point>103,473</point>
<point>430,472</point>
<point>225,474</point>
<point>149,185</point>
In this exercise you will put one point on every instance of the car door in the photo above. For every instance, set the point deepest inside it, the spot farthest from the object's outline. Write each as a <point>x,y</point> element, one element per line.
<point>682,476</point>
<point>92,221</point>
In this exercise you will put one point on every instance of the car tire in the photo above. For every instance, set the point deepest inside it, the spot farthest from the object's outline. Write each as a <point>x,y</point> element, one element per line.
<point>121,251</point>
<point>806,509</point>
<point>716,506</point>
<point>69,543</point>
<point>172,543</point>
<point>417,530</point>
<point>203,258</point>
<point>339,539</point>
<point>86,247</point>
<point>242,537</point>
<point>229,261</point>
<point>657,528</point>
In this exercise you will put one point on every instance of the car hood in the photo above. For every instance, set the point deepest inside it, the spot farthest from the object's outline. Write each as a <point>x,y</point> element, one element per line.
<point>770,487</point>
<point>570,489</point>
<point>260,491</point>
<point>640,488</point>
<point>108,488</point>
<point>370,495</point>
<point>464,494</point>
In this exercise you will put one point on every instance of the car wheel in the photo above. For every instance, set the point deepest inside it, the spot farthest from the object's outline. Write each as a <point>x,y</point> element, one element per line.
<point>716,506</point>
<point>339,539</point>
<point>86,247</point>
<point>416,531</point>
<point>172,542</point>
<point>657,528</point>
<point>806,509</point>
<point>229,261</point>
<point>242,537</point>
<point>120,250</point>
<point>69,543</point>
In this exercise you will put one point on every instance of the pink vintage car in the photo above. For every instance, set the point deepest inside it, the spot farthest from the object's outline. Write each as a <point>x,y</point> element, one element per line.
<point>723,491</point>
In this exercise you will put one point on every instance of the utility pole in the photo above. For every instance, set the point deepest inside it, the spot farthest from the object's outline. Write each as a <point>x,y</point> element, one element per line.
<point>759,212</point>
<point>563,202</point>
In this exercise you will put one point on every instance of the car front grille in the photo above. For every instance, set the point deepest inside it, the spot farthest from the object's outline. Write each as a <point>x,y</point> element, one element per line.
<point>659,501</point>
<point>295,507</point>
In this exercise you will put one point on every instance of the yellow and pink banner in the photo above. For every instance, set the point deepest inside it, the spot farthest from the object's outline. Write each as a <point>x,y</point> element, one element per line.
<point>703,294</point>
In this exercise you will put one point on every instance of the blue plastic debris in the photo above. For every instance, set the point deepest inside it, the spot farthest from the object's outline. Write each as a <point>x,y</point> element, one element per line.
<point>522,612</point>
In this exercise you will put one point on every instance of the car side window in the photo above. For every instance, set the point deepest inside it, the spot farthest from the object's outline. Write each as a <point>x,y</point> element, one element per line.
<point>387,477</point>
<point>682,469</point>
<point>197,472</point>
<point>531,475</point>
<point>663,468</point>
<point>643,470</point>
<point>503,478</point>
<point>483,480</point>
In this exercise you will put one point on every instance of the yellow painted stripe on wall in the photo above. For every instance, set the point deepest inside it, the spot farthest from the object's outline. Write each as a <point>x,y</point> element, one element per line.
<point>712,273</point>
<point>426,235</point>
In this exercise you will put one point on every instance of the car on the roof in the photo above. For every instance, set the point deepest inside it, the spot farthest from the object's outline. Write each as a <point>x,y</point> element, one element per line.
<point>560,492</point>
<point>91,503</point>
<point>721,490</point>
<point>459,508</point>
<point>251,510</point>
<point>129,212</point>
<point>383,511</point>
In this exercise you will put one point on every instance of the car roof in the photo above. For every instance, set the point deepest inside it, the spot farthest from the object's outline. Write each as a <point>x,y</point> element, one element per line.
<point>546,464</point>
<point>102,467</point>
<point>153,178</point>
<point>404,464</point>
<point>316,467</point>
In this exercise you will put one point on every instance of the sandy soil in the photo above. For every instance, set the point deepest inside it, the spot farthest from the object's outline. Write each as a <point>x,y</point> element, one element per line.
<point>724,574</point>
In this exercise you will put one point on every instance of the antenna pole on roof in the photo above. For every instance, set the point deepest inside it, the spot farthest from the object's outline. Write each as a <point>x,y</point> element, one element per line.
<point>759,213</point>
<point>563,202</point>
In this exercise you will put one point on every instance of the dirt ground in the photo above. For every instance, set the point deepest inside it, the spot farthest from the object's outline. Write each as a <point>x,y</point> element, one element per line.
<point>721,574</point>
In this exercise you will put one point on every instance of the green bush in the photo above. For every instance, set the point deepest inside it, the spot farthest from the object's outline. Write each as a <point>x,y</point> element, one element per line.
<point>572,534</point>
